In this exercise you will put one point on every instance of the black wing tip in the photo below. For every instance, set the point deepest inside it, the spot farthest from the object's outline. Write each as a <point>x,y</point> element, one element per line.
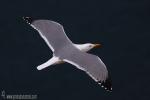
<point>107,84</point>
<point>29,20</point>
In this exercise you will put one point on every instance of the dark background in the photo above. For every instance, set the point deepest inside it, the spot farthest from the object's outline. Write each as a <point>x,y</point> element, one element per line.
<point>121,26</point>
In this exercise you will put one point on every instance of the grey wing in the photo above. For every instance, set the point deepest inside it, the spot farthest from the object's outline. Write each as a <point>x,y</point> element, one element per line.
<point>89,63</point>
<point>52,32</point>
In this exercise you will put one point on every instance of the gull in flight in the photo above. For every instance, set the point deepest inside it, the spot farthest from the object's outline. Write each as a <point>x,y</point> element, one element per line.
<point>65,51</point>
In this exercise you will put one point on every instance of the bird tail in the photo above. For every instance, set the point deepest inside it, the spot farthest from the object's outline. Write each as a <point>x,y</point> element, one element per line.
<point>50,62</point>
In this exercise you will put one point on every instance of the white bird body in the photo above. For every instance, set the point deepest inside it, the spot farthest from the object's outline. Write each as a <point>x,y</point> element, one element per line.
<point>55,60</point>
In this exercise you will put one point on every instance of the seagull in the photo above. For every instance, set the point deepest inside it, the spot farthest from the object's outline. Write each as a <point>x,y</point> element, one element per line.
<point>64,50</point>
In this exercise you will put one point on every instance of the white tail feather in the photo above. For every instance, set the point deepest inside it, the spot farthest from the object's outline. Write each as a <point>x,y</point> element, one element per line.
<point>52,61</point>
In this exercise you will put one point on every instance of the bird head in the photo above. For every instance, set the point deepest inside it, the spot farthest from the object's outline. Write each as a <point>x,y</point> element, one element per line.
<point>88,46</point>
<point>91,46</point>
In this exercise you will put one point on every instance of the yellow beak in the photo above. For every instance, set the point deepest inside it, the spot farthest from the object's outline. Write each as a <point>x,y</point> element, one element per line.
<point>97,45</point>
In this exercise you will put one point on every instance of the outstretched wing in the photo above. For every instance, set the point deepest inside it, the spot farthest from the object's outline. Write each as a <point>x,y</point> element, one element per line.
<point>52,32</point>
<point>92,65</point>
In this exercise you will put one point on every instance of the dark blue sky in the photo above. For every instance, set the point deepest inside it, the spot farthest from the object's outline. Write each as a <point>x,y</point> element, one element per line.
<point>121,26</point>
